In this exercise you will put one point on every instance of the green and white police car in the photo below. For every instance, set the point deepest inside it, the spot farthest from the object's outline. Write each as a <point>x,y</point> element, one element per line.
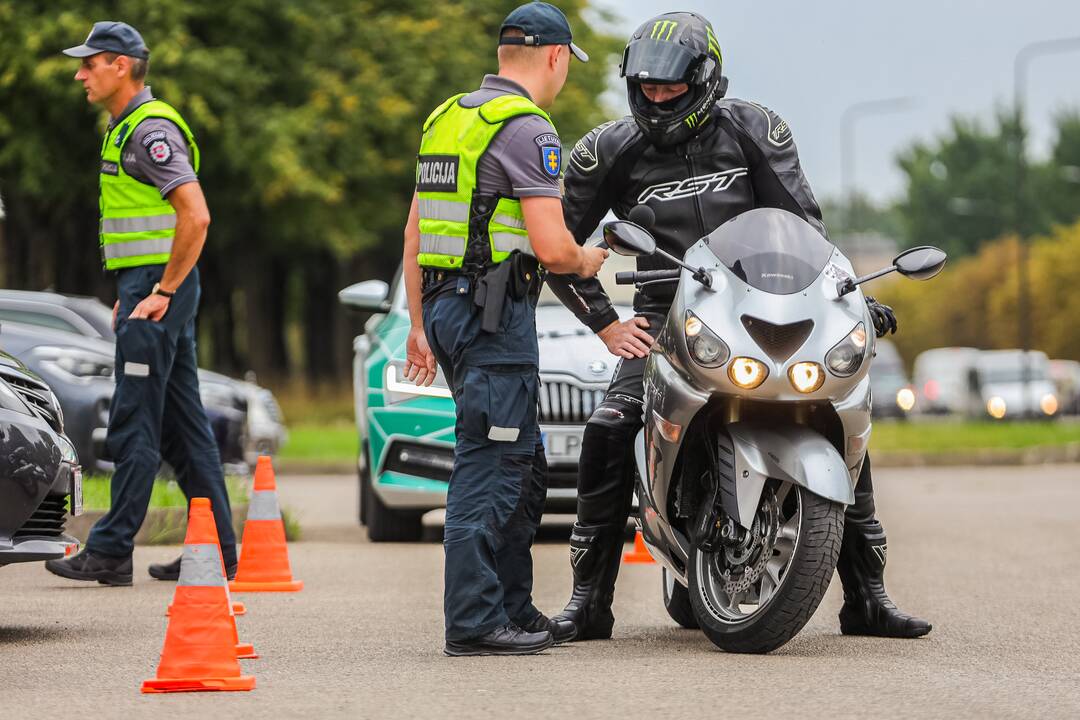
<point>407,432</point>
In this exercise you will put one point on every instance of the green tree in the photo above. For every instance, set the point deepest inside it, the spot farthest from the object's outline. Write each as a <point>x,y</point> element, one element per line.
<point>308,113</point>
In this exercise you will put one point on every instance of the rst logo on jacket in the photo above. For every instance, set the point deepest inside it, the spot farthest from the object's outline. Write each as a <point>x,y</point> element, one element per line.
<point>677,190</point>
<point>437,173</point>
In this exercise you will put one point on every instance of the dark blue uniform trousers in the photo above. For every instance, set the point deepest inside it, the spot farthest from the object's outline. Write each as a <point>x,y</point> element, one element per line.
<point>499,481</point>
<point>156,414</point>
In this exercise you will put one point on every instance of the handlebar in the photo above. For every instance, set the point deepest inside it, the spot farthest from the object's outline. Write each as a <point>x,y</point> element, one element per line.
<point>643,276</point>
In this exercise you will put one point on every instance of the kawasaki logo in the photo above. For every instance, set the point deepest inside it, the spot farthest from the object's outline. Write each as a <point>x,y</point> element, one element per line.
<point>714,182</point>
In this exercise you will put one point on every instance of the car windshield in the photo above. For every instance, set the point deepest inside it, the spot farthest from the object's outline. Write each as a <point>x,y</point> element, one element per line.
<point>771,250</point>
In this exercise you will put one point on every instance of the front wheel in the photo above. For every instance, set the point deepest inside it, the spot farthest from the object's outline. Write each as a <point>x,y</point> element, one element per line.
<point>754,597</point>
<point>677,602</point>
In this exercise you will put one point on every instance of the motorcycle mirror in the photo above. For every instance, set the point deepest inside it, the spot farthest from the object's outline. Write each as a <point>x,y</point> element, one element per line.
<point>630,239</point>
<point>920,263</point>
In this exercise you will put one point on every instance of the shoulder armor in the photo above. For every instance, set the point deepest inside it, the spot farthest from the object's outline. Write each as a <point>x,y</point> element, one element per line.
<point>437,112</point>
<point>759,121</point>
<point>603,145</point>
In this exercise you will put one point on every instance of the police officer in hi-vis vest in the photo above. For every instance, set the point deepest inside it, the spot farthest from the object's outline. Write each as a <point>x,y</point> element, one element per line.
<point>153,225</point>
<point>487,209</point>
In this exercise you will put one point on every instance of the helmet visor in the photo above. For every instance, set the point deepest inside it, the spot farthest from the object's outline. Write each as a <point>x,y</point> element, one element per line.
<point>659,62</point>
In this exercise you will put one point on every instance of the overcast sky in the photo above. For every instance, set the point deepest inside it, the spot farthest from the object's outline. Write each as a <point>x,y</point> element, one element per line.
<point>809,61</point>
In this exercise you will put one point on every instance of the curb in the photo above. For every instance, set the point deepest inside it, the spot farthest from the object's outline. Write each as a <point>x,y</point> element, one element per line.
<point>1048,455</point>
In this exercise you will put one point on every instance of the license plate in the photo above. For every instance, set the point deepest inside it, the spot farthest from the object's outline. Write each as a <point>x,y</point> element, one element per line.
<point>76,491</point>
<point>562,444</point>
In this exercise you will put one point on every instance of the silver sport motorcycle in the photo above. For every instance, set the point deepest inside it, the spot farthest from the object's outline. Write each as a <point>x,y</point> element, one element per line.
<point>757,417</point>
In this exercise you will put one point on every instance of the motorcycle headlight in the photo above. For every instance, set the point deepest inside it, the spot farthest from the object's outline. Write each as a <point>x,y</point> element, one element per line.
<point>399,389</point>
<point>747,373</point>
<point>705,347</point>
<point>80,365</point>
<point>806,377</point>
<point>846,357</point>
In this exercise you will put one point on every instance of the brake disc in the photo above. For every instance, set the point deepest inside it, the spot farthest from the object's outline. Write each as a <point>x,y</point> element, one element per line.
<point>763,536</point>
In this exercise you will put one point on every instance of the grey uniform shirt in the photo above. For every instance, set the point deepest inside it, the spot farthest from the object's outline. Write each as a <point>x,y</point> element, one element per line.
<point>519,162</point>
<point>157,153</point>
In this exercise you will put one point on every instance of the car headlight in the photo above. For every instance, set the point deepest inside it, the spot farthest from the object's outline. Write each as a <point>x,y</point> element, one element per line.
<point>996,407</point>
<point>398,388</point>
<point>806,377</point>
<point>80,365</point>
<point>846,357</point>
<point>1048,404</point>
<point>67,450</point>
<point>706,348</point>
<point>747,373</point>
<point>905,399</point>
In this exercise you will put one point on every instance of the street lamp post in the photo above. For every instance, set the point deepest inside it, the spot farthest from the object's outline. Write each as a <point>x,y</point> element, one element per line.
<point>847,145</point>
<point>1020,67</point>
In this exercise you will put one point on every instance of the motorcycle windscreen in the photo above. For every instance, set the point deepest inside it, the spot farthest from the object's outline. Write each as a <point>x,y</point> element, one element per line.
<point>771,250</point>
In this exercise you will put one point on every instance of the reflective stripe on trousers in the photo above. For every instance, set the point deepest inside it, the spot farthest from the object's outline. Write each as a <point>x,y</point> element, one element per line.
<point>115,250</point>
<point>200,566</point>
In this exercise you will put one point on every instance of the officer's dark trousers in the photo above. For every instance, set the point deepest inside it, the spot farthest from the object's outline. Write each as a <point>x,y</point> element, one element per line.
<point>156,414</point>
<point>606,469</point>
<point>499,481</point>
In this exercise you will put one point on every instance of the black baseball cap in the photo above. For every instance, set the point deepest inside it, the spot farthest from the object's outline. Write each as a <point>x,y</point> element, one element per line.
<point>114,37</point>
<point>543,24</point>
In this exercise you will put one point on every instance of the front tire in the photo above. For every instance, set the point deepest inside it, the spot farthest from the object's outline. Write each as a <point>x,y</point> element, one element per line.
<point>385,524</point>
<point>677,602</point>
<point>790,584</point>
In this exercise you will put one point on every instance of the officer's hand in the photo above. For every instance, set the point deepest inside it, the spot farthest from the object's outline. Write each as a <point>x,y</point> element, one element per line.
<point>115,309</point>
<point>627,339</point>
<point>419,360</point>
<point>883,316</point>
<point>152,307</point>
<point>591,260</point>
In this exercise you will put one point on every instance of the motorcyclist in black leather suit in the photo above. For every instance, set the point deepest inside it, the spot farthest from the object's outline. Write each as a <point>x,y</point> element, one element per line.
<point>696,159</point>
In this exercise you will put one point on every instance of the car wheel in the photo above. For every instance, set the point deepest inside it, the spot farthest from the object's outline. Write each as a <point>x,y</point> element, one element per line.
<point>385,524</point>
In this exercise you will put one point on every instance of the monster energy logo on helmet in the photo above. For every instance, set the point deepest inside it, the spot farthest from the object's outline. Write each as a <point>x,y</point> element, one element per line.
<point>674,48</point>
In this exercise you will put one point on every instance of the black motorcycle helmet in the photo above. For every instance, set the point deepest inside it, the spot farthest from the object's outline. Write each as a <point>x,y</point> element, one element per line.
<point>677,47</point>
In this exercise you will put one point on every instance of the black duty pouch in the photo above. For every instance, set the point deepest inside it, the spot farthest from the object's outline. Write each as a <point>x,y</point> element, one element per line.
<point>525,278</point>
<point>490,295</point>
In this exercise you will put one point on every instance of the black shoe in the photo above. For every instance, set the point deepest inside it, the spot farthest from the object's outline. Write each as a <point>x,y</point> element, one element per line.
<point>595,552</point>
<point>561,630</point>
<point>506,640</point>
<point>89,565</point>
<point>867,608</point>
<point>171,570</point>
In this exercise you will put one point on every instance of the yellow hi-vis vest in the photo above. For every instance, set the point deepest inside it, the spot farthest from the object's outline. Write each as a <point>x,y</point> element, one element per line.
<point>455,226</point>
<point>137,224</point>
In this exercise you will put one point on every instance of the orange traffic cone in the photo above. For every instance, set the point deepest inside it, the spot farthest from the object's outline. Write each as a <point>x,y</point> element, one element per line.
<point>200,644</point>
<point>264,556</point>
<point>238,608</point>
<point>640,553</point>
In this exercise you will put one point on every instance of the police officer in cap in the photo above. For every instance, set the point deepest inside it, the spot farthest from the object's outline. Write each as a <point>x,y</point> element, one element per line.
<point>487,209</point>
<point>696,159</point>
<point>153,225</point>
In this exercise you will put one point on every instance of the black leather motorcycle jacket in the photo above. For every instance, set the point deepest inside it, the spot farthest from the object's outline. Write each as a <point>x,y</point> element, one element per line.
<point>743,158</point>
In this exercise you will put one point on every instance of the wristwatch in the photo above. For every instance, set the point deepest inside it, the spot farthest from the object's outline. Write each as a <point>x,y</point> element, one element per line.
<point>163,293</point>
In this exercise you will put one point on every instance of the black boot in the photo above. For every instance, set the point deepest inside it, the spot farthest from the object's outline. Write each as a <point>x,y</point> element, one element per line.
<point>89,565</point>
<point>867,608</point>
<point>506,640</point>
<point>594,556</point>
<point>171,570</point>
<point>562,630</point>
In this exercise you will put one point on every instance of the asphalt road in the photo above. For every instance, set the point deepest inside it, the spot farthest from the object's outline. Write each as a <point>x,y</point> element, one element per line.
<point>990,555</point>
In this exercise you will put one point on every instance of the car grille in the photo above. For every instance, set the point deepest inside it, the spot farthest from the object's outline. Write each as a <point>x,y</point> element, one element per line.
<point>564,403</point>
<point>36,395</point>
<point>47,520</point>
<point>778,341</point>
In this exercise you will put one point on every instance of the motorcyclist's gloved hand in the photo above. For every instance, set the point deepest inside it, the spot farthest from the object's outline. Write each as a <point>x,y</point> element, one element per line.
<point>883,316</point>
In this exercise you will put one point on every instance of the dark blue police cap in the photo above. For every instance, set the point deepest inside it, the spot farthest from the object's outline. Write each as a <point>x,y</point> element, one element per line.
<point>114,37</point>
<point>543,24</point>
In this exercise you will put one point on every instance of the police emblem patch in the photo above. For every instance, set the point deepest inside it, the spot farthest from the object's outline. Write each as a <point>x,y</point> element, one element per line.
<point>160,151</point>
<point>551,159</point>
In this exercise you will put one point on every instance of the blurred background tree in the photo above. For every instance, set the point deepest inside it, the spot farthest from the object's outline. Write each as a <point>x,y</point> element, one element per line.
<point>308,115</point>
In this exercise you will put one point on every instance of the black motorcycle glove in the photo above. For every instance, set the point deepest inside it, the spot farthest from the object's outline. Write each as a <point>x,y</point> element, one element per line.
<point>883,316</point>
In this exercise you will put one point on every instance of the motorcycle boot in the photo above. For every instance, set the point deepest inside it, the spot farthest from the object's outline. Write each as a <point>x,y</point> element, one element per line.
<point>595,553</point>
<point>867,609</point>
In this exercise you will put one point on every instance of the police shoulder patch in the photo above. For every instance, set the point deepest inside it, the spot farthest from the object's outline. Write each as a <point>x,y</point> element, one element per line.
<point>551,159</point>
<point>160,151</point>
<point>547,139</point>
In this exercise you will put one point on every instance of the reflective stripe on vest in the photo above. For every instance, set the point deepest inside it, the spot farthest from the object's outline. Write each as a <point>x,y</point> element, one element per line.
<point>263,506</point>
<point>200,566</point>
<point>133,213</point>
<point>455,139</point>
